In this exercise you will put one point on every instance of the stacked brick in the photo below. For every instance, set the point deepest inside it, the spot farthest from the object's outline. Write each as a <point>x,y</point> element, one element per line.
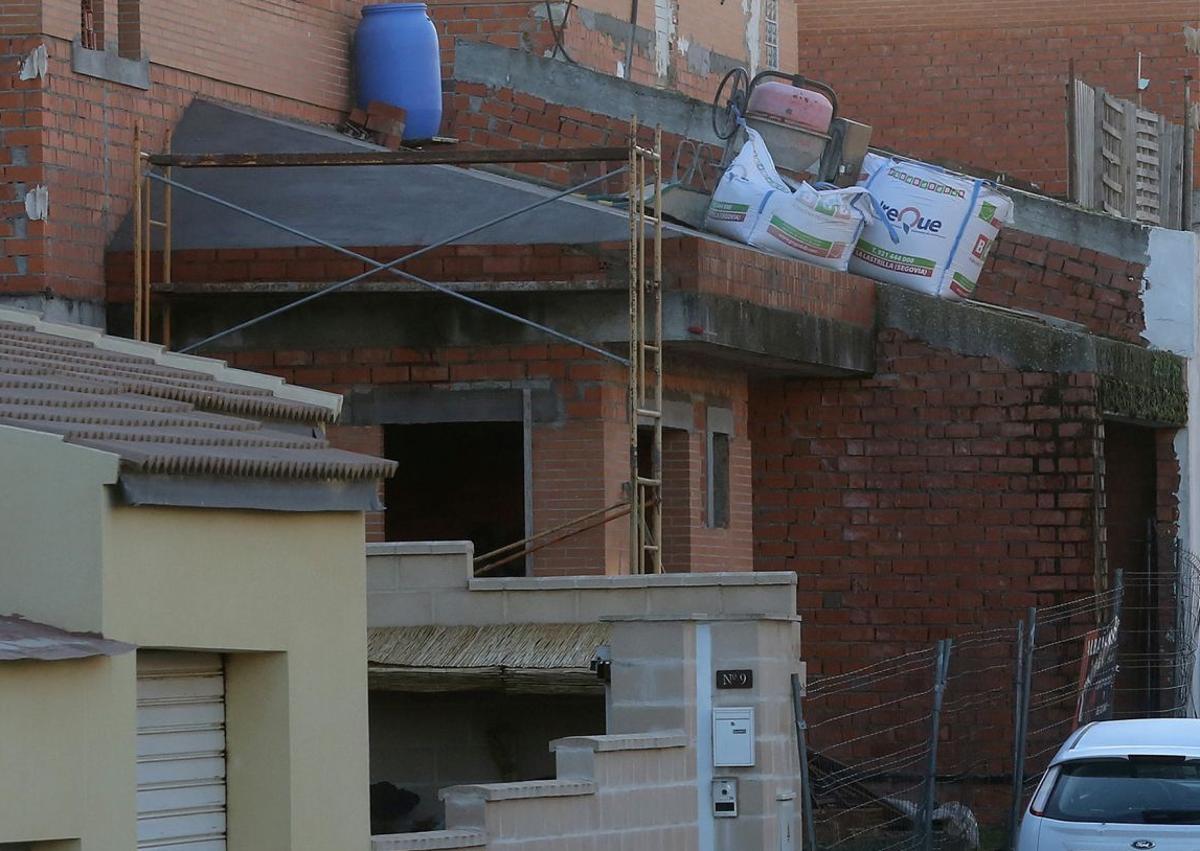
<point>500,117</point>
<point>690,264</point>
<point>1098,291</point>
<point>942,493</point>
<point>496,263</point>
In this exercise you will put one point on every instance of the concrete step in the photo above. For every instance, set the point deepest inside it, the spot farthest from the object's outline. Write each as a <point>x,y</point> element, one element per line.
<point>429,840</point>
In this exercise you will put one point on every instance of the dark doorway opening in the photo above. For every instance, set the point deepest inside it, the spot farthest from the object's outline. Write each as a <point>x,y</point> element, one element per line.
<point>1130,470</point>
<point>457,481</point>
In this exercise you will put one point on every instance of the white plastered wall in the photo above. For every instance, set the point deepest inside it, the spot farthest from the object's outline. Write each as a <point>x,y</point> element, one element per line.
<point>1172,313</point>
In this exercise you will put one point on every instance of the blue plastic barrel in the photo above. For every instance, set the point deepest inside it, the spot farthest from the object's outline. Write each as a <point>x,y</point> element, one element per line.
<point>396,61</point>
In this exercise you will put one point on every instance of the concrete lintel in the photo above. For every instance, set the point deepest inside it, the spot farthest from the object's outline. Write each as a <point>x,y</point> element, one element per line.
<point>52,309</point>
<point>109,65</point>
<point>421,548</point>
<point>661,580</point>
<point>574,85</point>
<point>404,405</point>
<point>1066,222</point>
<point>1136,383</point>
<point>695,325</point>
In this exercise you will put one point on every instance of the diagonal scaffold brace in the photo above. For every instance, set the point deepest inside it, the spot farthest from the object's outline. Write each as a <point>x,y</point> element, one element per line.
<point>644,363</point>
<point>391,267</point>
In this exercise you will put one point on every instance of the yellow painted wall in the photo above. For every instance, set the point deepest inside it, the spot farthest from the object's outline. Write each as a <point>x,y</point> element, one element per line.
<point>66,752</point>
<point>289,584</point>
<point>51,510</point>
<point>281,594</point>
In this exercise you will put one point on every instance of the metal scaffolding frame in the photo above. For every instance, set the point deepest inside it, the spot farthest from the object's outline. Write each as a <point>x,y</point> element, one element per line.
<point>645,358</point>
<point>644,364</point>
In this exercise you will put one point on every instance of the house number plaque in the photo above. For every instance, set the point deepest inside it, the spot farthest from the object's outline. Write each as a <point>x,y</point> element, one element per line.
<point>738,678</point>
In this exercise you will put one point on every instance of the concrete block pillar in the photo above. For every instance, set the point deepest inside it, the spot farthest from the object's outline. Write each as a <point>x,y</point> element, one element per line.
<point>665,677</point>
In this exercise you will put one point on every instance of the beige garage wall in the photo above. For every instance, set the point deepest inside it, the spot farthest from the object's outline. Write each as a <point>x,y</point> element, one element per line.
<point>292,585</point>
<point>51,506</point>
<point>70,724</point>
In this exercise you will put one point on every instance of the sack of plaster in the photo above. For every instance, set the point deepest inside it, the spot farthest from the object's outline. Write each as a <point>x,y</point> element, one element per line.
<point>936,230</point>
<point>818,226</point>
<point>871,163</point>
<point>743,188</point>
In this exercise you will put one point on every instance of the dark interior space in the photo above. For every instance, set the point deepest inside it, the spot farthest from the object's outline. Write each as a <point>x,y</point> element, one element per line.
<point>457,481</point>
<point>645,464</point>
<point>421,743</point>
<point>1129,477</point>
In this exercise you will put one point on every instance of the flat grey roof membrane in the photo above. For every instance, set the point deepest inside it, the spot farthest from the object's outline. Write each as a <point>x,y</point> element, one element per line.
<point>354,205</point>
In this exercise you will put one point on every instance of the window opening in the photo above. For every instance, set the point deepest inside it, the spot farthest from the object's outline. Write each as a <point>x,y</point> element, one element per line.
<point>91,24</point>
<point>129,29</point>
<point>771,18</point>
<point>457,481</point>
<point>717,465</point>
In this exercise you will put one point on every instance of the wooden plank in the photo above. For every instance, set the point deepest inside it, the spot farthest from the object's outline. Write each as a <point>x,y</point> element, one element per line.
<point>1150,196</point>
<point>1171,187</point>
<point>1098,200</point>
<point>1072,133</point>
<point>425,157</point>
<point>1129,159</point>
<point>1085,162</point>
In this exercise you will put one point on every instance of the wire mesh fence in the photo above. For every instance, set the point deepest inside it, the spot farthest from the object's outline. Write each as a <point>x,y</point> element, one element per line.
<point>871,739</point>
<point>941,747</point>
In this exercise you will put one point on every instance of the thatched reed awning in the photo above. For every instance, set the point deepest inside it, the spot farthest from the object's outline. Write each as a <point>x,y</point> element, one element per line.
<point>541,658</point>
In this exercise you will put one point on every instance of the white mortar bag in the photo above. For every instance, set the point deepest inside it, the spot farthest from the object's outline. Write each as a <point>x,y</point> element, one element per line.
<point>818,226</point>
<point>742,190</point>
<point>871,163</point>
<point>936,232</point>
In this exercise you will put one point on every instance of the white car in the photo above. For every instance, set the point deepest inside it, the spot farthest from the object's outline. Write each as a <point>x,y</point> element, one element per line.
<point>1117,786</point>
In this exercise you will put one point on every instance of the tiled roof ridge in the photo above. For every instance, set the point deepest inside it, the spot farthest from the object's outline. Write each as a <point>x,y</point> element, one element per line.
<point>329,404</point>
<point>169,415</point>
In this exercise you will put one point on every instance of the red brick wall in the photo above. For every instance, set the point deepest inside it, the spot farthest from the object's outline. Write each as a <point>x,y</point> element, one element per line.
<point>944,493</point>
<point>298,51</point>
<point>719,28</point>
<point>1166,495</point>
<point>1099,291</point>
<point>690,263</point>
<point>982,83</point>
<point>486,117</point>
<point>580,463</point>
<point>369,441</point>
<point>691,542</point>
<point>20,17</point>
<point>80,130</point>
<point>528,262</point>
<point>22,116</point>
<point>750,275</point>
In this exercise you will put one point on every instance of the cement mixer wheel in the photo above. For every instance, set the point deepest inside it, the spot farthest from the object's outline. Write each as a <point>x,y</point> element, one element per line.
<point>730,103</point>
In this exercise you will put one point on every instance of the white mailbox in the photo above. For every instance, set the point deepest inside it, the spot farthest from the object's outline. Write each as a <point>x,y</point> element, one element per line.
<point>733,736</point>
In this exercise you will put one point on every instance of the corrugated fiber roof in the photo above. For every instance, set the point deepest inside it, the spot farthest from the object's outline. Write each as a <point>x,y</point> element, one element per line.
<point>165,413</point>
<point>23,639</point>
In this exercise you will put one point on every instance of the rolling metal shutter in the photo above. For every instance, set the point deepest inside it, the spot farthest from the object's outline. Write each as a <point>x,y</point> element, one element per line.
<point>180,751</point>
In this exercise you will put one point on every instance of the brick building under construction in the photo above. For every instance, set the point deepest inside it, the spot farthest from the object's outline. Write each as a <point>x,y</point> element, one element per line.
<point>922,465</point>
